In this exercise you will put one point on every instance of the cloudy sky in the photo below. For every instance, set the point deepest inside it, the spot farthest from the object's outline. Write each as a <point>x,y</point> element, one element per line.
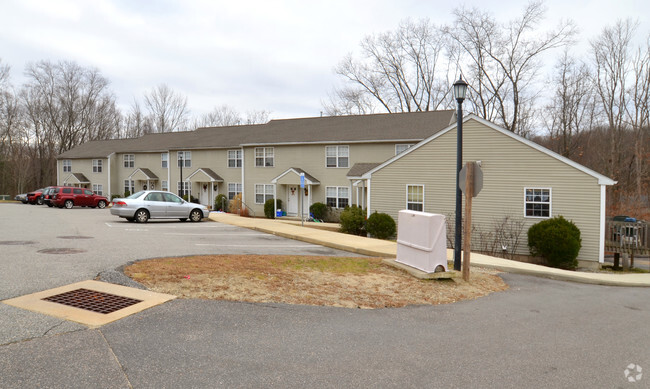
<point>251,55</point>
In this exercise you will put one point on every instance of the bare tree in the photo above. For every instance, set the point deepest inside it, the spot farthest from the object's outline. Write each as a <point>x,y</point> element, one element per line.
<point>399,71</point>
<point>136,122</point>
<point>612,64</point>
<point>227,116</point>
<point>168,109</point>
<point>504,60</point>
<point>571,109</point>
<point>638,114</point>
<point>69,103</point>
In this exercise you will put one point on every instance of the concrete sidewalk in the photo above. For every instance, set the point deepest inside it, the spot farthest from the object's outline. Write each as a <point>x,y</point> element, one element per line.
<point>387,249</point>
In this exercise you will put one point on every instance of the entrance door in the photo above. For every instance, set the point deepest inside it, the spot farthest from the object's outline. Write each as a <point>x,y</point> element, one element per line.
<point>292,201</point>
<point>204,197</point>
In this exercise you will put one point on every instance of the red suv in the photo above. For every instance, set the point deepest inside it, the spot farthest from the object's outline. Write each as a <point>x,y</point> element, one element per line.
<point>69,197</point>
<point>35,197</point>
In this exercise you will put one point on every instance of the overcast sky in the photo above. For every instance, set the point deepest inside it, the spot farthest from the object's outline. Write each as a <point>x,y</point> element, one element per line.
<point>251,55</point>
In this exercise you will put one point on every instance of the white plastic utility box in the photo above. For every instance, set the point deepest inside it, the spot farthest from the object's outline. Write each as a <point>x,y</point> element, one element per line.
<point>422,240</point>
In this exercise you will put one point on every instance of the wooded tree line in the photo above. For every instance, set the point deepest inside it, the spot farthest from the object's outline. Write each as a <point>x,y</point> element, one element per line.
<point>592,109</point>
<point>62,105</point>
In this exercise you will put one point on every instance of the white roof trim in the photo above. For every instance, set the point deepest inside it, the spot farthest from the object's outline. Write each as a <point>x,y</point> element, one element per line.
<point>292,170</point>
<point>602,180</point>
<point>204,172</point>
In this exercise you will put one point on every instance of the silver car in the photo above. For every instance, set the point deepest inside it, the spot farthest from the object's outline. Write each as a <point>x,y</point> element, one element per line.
<point>152,204</point>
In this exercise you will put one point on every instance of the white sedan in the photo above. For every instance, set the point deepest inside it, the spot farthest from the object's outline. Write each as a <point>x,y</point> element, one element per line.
<point>151,204</point>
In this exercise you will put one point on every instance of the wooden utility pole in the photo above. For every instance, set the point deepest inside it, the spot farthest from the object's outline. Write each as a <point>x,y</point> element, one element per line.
<point>469,194</point>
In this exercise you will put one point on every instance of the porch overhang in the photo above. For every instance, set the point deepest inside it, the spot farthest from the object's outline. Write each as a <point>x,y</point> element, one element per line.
<point>203,174</point>
<point>76,178</point>
<point>291,176</point>
<point>143,174</point>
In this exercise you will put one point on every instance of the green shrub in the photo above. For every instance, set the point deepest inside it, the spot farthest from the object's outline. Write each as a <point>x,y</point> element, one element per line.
<point>381,225</point>
<point>353,221</point>
<point>269,208</point>
<point>557,240</point>
<point>221,203</point>
<point>319,210</point>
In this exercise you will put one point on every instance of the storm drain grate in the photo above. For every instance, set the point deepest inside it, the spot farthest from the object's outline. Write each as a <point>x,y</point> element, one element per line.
<point>92,300</point>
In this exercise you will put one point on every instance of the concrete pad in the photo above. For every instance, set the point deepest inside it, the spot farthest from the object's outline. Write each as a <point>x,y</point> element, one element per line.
<point>34,302</point>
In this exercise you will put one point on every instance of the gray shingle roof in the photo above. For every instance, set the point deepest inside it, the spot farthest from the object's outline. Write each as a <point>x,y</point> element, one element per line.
<point>360,169</point>
<point>413,126</point>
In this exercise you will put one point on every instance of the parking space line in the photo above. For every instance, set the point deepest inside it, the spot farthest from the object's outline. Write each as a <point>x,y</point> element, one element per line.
<point>253,245</point>
<point>214,234</point>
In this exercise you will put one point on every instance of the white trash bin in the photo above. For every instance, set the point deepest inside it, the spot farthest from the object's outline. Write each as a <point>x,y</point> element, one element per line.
<point>422,240</point>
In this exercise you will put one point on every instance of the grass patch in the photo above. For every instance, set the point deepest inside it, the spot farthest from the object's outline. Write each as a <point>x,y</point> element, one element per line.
<point>309,280</point>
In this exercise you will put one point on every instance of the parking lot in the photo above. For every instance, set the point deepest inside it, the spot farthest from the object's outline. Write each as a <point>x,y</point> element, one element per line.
<point>539,333</point>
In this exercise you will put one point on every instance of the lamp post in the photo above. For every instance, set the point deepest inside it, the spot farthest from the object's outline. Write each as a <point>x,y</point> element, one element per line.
<point>180,163</point>
<point>460,89</point>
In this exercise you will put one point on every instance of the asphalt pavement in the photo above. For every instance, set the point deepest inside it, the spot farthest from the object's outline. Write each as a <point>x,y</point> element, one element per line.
<point>539,333</point>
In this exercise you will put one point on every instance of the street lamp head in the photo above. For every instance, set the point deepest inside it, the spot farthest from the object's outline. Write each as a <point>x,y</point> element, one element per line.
<point>460,89</point>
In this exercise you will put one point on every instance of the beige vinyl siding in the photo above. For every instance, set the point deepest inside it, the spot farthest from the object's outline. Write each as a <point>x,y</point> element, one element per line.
<point>508,166</point>
<point>85,167</point>
<point>310,158</point>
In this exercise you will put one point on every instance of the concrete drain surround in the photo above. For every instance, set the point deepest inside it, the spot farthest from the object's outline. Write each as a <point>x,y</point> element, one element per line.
<point>75,237</point>
<point>16,242</point>
<point>62,251</point>
<point>92,300</point>
<point>98,295</point>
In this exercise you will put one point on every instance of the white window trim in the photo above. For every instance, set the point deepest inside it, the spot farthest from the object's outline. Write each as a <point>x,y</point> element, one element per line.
<point>67,166</point>
<point>98,189</point>
<point>187,188</point>
<point>264,187</point>
<point>228,191</point>
<point>164,186</point>
<point>408,146</point>
<point>128,160</point>
<point>164,159</point>
<point>338,198</point>
<point>550,202</point>
<point>97,163</point>
<point>338,157</point>
<point>414,202</point>
<point>238,157</point>
<point>185,160</point>
<point>264,156</point>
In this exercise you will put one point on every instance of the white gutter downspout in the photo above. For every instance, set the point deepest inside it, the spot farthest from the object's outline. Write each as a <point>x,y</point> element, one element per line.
<point>169,168</point>
<point>109,176</point>
<point>243,174</point>
<point>601,240</point>
<point>57,173</point>
<point>368,199</point>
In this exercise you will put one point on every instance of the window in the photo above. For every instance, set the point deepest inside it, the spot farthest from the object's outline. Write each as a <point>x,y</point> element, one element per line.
<point>67,166</point>
<point>129,187</point>
<point>400,148</point>
<point>129,160</point>
<point>537,202</point>
<point>234,188</point>
<point>77,191</point>
<point>234,158</point>
<point>163,159</point>
<point>264,157</point>
<point>98,189</point>
<point>186,157</point>
<point>262,193</point>
<point>415,197</point>
<point>97,165</point>
<point>337,196</point>
<point>337,156</point>
<point>186,186</point>
<point>164,186</point>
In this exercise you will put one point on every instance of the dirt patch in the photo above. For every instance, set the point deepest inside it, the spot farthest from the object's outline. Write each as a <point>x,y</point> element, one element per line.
<point>310,280</point>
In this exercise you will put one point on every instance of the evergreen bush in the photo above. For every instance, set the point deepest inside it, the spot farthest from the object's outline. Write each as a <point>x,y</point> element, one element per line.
<point>557,240</point>
<point>319,210</point>
<point>221,203</point>
<point>353,221</point>
<point>269,208</point>
<point>381,226</point>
